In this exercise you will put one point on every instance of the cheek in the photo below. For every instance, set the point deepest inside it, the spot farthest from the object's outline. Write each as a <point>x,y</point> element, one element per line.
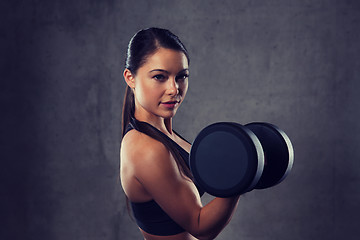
<point>147,94</point>
<point>184,88</point>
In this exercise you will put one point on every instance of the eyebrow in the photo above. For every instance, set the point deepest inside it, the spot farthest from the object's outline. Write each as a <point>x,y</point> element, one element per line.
<point>167,72</point>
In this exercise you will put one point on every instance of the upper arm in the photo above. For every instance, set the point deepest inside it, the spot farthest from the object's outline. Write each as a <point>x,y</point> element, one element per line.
<point>156,169</point>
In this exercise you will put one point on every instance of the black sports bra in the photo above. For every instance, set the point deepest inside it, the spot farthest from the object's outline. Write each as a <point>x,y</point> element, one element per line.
<point>149,215</point>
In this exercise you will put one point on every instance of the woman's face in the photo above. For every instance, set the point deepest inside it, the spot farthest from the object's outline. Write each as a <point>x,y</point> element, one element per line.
<point>161,84</point>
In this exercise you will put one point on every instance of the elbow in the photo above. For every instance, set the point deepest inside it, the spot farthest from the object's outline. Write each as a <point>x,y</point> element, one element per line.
<point>205,236</point>
<point>203,233</point>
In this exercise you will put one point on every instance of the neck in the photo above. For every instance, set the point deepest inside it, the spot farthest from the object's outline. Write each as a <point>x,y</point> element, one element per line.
<point>163,124</point>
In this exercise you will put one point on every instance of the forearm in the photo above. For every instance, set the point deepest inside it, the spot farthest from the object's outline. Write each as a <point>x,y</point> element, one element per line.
<point>215,216</point>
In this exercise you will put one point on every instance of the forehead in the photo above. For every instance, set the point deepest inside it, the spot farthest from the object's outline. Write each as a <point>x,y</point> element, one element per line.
<point>167,59</point>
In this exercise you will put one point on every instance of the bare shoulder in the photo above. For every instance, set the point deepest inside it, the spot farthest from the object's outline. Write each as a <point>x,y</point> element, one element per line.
<point>137,147</point>
<point>143,160</point>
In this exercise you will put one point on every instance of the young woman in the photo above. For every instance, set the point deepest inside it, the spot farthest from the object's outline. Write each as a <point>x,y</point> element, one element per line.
<point>154,159</point>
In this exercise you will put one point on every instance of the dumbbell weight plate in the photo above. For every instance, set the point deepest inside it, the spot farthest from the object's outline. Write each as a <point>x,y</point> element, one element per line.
<point>226,159</point>
<point>278,151</point>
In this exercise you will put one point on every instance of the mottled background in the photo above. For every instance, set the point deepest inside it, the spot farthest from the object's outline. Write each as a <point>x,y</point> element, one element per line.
<point>295,63</point>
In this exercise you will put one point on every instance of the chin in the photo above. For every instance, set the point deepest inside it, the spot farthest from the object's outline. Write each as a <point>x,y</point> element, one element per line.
<point>169,114</point>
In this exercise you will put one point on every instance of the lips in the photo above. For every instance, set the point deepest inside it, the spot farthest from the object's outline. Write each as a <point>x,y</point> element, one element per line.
<point>170,104</point>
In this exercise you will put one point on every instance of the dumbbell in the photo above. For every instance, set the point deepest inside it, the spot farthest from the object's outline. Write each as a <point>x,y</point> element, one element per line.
<point>228,159</point>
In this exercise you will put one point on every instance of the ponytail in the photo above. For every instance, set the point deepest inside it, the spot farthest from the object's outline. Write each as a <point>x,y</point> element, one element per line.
<point>128,110</point>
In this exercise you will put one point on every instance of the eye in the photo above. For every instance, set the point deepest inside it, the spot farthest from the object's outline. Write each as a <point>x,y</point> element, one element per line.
<point>159,77</point>
<point>182,76</point>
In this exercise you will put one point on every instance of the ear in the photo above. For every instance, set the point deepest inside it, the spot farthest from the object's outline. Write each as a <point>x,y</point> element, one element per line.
<point>129,78</point>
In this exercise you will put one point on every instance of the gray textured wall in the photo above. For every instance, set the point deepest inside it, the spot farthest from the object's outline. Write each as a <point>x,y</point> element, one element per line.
<point>294,63</point>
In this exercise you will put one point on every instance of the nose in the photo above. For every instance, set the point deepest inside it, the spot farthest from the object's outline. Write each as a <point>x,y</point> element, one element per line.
<point>173,87</point>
